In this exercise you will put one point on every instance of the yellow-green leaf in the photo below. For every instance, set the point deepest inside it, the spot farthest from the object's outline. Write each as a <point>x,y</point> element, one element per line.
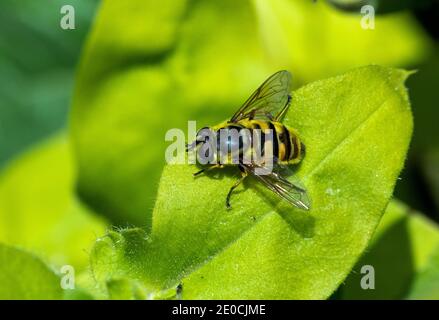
<point>24,276</point>
<point>357,128</point>
<point>39,210</point>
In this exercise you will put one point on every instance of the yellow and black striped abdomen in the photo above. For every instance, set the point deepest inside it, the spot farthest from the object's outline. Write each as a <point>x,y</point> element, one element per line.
<point>286,143</point>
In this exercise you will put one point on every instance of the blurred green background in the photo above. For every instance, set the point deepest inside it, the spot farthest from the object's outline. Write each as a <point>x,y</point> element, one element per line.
<point>39,60</point>
<point>37,66</point>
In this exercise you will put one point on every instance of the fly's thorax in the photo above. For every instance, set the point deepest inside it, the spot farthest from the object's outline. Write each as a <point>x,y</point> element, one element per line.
<point>234,143</point>
<point>225,144</point>
<point>249,141</point>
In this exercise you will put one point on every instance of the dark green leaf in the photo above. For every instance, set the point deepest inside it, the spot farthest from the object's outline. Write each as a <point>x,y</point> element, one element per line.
<point>401,247</point>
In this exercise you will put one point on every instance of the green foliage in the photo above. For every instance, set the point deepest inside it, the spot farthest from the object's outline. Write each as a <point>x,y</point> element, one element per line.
<point>400,249</point>
<point>263,248</point>
<point>149,66</point>
<point>38,208</point>
<point>24,276</point>
<point>292,33</point>
<point>37,59</point>
<point>426,284</point>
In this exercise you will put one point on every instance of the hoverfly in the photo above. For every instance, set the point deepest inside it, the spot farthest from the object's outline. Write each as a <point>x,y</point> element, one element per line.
<point>263,111</point>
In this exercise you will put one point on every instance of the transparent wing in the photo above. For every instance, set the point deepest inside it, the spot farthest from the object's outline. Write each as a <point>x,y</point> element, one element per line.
<point>292,193</point>
<point>268,100</point>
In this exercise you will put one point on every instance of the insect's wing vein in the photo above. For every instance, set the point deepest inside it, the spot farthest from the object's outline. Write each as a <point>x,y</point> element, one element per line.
<point>292,193</point>
<point>269,98</point>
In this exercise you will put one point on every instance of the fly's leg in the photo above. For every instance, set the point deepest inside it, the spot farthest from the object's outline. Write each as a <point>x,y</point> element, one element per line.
<point>207,169</point>
<point>237,183</point>
<point>198,172</point>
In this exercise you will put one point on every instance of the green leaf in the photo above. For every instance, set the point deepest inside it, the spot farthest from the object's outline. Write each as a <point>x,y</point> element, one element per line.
<point>316,40</point>
<point>150,66</point>
<point>356,127</point>
<point>24,276</point>
<point>426,283</point>
<point>85,287</point>
<point>400,249</point>
<point>38,208</point>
